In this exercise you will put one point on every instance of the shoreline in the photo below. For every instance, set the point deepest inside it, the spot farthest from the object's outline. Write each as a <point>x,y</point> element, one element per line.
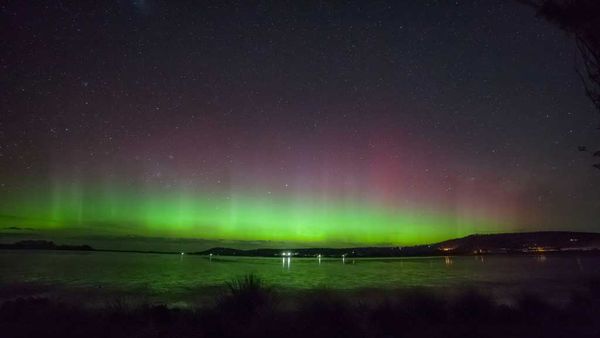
<point>526,243</point>
<point>586,252</point>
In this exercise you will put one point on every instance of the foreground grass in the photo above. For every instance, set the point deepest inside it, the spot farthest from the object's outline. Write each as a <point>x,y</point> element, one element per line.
<point>251,309</point>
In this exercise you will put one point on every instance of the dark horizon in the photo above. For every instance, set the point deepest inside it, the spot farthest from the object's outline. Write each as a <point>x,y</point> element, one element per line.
<point>496,243</point>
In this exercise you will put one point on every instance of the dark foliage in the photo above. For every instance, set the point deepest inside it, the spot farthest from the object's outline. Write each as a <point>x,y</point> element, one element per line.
<point>581,19</point>
<point>249,309</point>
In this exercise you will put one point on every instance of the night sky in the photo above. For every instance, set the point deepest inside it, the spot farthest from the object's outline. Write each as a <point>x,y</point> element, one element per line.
<point>313,123</point>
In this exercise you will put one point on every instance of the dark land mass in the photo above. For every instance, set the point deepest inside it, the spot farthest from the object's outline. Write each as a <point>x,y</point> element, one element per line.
<point>49,245</point>
<point>43,245</point>
<point>510,243</point>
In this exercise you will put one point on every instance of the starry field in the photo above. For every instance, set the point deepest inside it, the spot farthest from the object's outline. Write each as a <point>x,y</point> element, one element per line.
<point>317,123</point>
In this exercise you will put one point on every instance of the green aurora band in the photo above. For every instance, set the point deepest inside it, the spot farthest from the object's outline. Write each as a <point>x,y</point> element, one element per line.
<point>175,214</point>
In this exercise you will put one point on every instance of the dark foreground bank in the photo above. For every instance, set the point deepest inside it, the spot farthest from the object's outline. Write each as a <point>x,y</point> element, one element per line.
<point>251,309</point>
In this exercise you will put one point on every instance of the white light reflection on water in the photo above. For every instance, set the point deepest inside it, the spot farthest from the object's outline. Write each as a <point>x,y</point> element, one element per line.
<point>173,277</point>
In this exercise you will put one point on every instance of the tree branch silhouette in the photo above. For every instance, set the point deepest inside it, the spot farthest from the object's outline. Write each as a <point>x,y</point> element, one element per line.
<point>580,19</point>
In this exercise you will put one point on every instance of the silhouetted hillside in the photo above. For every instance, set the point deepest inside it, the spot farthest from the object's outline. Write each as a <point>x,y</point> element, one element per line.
<point>522,242</point>
<point>529,242</point>
<point>514,243</point>
<point>43,245</point>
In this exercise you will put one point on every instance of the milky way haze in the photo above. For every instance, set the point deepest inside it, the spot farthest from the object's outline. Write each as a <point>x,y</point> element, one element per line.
<point>325,122</point>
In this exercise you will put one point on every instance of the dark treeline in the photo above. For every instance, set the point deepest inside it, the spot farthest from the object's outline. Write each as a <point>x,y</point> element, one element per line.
<point>508,243</point>
<point>49,245</point>
<point>43,245</point>
<point>251,309</point>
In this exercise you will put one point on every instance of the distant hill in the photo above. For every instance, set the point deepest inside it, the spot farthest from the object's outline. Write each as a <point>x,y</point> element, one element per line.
<point>526,242</point>
<point>43,245</point>
<point>523,242</point>
<point>509,243</point>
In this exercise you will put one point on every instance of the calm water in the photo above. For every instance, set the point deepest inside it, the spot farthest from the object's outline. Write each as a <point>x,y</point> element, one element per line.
<point>188,279</point>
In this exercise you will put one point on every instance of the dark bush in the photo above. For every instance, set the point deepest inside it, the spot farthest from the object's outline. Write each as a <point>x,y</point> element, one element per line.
<point>249,309</point>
